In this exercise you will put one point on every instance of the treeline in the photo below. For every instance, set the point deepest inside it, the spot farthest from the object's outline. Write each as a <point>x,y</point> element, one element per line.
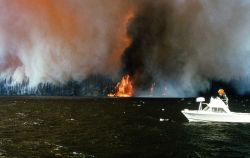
<point>92,86</point>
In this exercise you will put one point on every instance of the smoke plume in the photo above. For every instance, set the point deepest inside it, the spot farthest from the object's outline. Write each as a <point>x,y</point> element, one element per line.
<point>179,45</point>
<point>59,40</point>
<point>182,45</point>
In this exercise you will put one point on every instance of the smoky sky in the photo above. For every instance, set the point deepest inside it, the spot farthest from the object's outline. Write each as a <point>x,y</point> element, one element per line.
<point>60,40</point>
<point>181,45</point>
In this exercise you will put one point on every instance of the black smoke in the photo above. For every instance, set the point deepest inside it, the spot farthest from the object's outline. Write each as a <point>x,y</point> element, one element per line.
<point>185,46</point>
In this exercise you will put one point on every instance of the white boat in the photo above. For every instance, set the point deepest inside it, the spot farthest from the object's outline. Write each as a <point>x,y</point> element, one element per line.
<point>215,111</point>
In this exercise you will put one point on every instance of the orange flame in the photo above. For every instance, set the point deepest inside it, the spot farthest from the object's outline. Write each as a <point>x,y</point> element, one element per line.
<point>124,88</point>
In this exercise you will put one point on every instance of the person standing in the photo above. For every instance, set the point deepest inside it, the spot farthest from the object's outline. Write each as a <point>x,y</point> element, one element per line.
<point>223,96</point>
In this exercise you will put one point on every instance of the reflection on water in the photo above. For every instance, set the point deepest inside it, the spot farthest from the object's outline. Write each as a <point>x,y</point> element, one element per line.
<point>110,128</point>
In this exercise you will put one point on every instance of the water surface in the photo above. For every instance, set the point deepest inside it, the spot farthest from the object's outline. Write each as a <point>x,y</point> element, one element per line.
<point>112,127</point>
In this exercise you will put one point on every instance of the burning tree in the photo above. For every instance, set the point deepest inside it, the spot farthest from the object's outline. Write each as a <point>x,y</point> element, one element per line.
<point>124,88</point>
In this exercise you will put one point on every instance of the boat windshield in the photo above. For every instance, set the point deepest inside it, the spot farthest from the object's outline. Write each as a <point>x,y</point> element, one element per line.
<point>206,108</point>
<point>213,109</point>
<point>218,110</point>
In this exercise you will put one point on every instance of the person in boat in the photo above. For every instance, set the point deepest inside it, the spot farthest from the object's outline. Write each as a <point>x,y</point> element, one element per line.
<point>223,96</point>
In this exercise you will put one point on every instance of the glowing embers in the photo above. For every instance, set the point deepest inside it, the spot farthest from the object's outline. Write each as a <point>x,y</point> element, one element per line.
<point>124,88</point>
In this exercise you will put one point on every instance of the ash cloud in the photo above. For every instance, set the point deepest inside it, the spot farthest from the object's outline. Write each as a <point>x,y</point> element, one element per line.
<point>183,45</point>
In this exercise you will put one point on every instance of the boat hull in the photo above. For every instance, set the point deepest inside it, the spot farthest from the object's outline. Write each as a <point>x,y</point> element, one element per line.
<point>203,116</point>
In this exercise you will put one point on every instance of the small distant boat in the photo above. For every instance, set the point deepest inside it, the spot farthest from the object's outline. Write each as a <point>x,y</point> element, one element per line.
<point>215,111</point>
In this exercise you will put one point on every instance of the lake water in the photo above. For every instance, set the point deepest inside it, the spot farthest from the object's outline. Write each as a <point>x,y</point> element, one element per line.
<point>115,128</point>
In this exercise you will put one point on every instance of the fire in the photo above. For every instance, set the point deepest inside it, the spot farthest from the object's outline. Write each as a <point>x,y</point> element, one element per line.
<point>124,88</point>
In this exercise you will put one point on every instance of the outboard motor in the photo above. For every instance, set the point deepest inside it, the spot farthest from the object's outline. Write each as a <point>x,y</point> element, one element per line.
<point>200,100</point>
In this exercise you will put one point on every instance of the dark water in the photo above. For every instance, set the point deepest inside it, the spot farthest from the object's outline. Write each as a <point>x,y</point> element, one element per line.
<point>115,128</point>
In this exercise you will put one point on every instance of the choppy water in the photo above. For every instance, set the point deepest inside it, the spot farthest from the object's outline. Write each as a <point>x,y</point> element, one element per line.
<point>115,128</point>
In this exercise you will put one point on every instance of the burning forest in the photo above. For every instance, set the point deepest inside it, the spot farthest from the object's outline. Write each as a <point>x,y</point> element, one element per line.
<point>168,48</point>
<point>124,88</point>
